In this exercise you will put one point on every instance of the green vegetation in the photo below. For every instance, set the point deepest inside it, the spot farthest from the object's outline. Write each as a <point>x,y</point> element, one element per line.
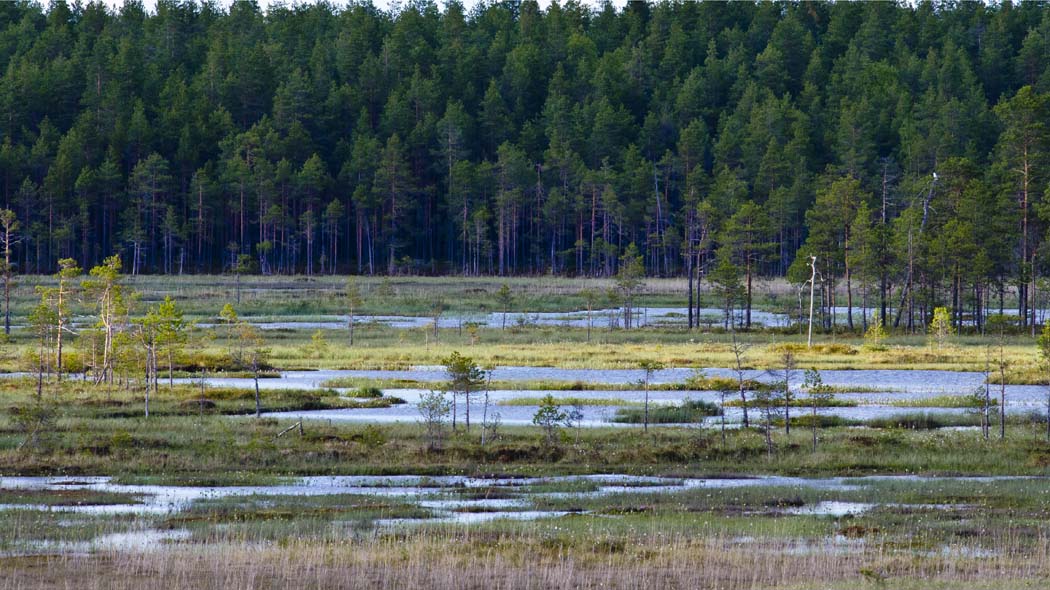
<point>943,401</point>
<point>72,497</point>
<point>687,412</point>
<point>981,532</point>
<point>105,433</point>
<point>569,401</point>
<point>366,392</point>
<point>925,421</point>
<point>797,403</point>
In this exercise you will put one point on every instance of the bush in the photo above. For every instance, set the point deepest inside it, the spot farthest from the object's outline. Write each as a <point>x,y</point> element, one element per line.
<point>874,337</point>
<point>367,392</point>
<point>371,436</point>
<point>688,412</point>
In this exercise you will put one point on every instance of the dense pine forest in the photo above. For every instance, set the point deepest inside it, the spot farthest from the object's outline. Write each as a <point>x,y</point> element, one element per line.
<point>904,146</point>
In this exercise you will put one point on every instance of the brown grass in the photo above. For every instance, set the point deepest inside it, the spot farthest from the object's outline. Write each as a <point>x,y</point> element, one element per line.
<point>491,561</point>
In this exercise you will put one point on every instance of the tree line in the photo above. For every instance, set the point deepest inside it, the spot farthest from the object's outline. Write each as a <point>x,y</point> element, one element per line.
<point>903,146</point>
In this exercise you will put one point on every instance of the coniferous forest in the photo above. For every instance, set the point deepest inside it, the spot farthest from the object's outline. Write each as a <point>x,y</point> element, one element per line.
<point>904,146</point>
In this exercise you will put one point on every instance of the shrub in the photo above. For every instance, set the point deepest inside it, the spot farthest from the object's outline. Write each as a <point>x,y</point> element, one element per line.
<point>367,392</point>
<point>688,412</point>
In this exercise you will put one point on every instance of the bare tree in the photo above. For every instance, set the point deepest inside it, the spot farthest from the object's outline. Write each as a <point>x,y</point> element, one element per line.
<point>739,350</point>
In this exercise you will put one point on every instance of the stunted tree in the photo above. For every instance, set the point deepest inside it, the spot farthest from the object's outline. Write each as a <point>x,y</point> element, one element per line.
<point>353,302</point>
<point>649,368</point>
<point>254,356</point>
<point>726,282</point>
<point>68,271</point>
<point>171,334</point>
<point>997,325</point>
<point>819,396</point>
<point>434,409</point>
<point>505,299</point>
<point>465,378</point>
<point>784,376</point>
<point>941,326</point>
<point>242,265</point>
<point>590,298</point>
<point>42,319</point>
<point>629,281</point>
<point>767,401</point>
<point>8,226</point>
<point>549,417</point>
<point>148,328</point>
<point>229,318</point>
<point>105,286</point>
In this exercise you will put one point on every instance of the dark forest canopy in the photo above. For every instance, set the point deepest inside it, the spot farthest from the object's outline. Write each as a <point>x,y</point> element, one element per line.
<point>903,145</point>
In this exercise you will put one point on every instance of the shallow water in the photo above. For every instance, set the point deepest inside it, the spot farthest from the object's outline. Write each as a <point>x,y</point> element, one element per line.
<point>437,492</point>
<point>599,318</point>
<point>879,389</point>
<point>448,498</point>
<point>831,508</point>
<point>883,379</point>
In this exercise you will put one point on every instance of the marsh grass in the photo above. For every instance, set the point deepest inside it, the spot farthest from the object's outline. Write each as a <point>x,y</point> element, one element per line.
<point>686,412</point>
<point>924,421</point>
<point>801,402</point>
<point>540,557</point>
<point>284,517</point>
<point>943,401</point>
<point>28,530</point>
<point>216,448</point>
<point>79,400</point>
<point>70,497</point>
<point>570,401</point>
<point>983,531</point>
